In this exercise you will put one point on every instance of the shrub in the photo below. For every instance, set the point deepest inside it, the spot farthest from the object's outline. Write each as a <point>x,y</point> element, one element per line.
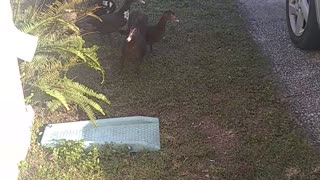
<point>70,160</point>
<point>60,48</point>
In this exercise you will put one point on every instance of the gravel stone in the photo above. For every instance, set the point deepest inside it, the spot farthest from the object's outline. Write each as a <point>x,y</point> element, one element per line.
<point>296,71</point>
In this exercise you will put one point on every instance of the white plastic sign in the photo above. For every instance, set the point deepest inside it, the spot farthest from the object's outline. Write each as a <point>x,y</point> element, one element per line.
<point>15,119</point>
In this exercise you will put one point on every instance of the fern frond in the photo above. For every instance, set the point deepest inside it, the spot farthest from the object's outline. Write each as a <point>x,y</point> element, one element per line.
<point>93,15</point>
<point>49,79</point>
<point>16,8</point>
<point>85,90</point>
<point>69,25</point>
<point>59,7</point>
<point>81,99</point>
<point>72,46</point>
<point>87,109</point>
<point>54,105</point>
<point>32,27</point>
<point>59,96</point>
<point>44,79</point>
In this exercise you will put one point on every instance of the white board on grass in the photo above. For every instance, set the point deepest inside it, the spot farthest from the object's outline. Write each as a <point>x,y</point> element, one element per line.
<point>138,132</point>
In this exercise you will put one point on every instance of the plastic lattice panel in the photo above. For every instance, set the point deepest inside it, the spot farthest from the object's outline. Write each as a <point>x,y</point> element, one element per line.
<point>138,132</point>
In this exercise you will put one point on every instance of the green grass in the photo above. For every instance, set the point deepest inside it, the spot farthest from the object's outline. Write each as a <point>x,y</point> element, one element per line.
<point>215,96</point>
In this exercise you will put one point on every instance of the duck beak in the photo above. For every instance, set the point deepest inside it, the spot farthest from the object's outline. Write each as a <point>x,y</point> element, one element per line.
<point>142,1</point>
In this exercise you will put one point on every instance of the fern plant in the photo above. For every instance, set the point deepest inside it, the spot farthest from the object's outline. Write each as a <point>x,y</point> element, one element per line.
<point>60,48</point>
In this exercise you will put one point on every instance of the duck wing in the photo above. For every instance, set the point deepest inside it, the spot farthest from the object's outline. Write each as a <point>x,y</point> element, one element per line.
<point>112,22</point>
<point>154,34</point>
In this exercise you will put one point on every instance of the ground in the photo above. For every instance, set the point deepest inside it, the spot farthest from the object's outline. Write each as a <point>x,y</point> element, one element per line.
<point>213,91</point>
<point>296,70</point>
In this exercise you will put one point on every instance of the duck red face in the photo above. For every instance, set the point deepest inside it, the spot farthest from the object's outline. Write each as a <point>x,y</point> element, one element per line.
<point>131,35</point>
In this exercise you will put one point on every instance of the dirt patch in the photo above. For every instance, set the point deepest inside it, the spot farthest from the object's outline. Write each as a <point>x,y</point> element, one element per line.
<point>62,116</point>
<point>223,141</point>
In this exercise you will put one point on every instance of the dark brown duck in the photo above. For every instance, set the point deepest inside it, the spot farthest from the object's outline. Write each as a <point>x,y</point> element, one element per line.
<point>156,32</point>
<point>135,47</point>
<point>112,22</point>
<point>135,18</point>
<point>106,7</point>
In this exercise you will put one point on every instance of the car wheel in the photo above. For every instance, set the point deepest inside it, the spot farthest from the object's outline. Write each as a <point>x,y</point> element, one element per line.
<point>302,23</point>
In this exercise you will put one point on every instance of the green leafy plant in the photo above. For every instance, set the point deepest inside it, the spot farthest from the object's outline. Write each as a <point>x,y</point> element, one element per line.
<point>69,160</point>
<point>73,152</point>
<point>60,48</point>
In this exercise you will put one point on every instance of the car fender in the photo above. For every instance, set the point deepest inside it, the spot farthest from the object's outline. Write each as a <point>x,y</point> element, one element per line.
<point>317,2</point>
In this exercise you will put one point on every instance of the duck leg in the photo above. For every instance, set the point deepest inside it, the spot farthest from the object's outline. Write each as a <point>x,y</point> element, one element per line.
<point>137,68</point>
<point>110,38</point>
<point>122,59</point>
<point>151,51</point>
<point>102,39</point>
<point>139,62</point>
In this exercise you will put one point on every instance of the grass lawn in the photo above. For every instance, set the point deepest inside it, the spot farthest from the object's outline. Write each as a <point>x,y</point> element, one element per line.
<point>216,99</point>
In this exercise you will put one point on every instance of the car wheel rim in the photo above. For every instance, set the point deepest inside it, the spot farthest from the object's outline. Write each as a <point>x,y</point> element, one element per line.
<point>298,15</point>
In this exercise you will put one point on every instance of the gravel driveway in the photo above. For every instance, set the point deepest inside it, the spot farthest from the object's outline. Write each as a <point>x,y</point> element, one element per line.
<point>297,71</point>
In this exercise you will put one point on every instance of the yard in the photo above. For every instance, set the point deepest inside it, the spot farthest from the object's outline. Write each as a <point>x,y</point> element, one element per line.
<point>220,112</point>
